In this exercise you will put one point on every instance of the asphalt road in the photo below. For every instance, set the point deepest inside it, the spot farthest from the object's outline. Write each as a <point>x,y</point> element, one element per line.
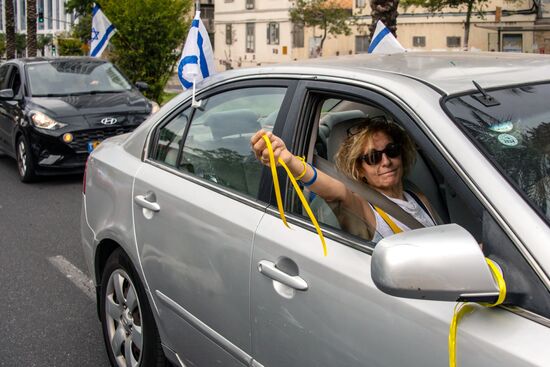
<point>45,319</point>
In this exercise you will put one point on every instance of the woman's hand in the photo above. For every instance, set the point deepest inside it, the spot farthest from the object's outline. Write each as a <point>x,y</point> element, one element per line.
<point>262,153</point>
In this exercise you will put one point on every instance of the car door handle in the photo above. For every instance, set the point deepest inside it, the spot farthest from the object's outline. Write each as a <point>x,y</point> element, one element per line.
<point>269,269</point>
<point>142,200</point>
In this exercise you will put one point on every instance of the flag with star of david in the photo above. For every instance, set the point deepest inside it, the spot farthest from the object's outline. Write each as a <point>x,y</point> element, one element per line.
<point>102,31</point>
<point>197,59</point>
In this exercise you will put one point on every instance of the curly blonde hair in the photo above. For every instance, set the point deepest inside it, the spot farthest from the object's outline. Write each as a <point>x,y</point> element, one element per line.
<point>347,158</point>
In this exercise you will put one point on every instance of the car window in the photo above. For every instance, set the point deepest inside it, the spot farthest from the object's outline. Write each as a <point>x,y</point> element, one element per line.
<point>338,118</point>
<point>169,139</point>
<point>3,76</point>
<point>514,133</point>
<point>217,145</point>
<point>15,80</point>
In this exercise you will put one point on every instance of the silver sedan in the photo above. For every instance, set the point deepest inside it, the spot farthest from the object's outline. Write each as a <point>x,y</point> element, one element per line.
<point>193,265</point>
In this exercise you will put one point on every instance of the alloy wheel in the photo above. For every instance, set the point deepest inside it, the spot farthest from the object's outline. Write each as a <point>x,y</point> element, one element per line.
<point>123,319</point>
<point>22,157</point>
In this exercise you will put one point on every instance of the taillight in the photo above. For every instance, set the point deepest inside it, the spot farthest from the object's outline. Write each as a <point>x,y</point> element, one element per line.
<point>84,178</point>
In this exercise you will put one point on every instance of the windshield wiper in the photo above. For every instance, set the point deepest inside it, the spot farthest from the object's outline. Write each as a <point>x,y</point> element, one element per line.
<point>69,94</point>
<point>485,99</point>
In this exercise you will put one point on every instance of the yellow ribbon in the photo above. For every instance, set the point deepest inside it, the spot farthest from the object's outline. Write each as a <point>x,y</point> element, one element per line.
<point>462,308</point>
<point>394,227</point>
<point>298,191</point>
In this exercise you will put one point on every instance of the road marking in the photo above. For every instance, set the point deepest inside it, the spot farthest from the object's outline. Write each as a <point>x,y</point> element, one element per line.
<point>74,274</point>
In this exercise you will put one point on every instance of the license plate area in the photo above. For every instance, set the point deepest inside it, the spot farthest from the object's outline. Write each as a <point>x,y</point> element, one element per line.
<point>92,145</point>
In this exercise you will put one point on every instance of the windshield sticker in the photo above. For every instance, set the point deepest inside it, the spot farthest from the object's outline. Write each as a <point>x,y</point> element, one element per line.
<point>508,140</point>
<point>502,127</point>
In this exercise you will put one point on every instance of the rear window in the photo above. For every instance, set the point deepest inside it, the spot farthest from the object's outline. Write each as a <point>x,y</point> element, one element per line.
<point>514,133</point>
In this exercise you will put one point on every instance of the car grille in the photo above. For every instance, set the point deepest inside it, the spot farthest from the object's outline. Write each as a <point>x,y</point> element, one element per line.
<point>82,138</point>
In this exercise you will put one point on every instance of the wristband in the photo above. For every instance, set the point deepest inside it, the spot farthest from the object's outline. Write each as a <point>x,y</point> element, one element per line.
<point>299,177</point>
<point>313,179</point>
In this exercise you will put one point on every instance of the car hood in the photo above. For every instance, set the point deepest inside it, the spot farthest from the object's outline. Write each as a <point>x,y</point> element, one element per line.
<point>90,104</point>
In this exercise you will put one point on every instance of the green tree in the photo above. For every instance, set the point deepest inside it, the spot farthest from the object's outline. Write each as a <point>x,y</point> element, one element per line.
<point>82,7</point>
<point>329,15</point>
<point>2,44</point>
<point>20,44</point>
<point>31,28</point>
<point>148,32</point>
<point>433,6</point>
<point>83,29</point>
<point>10,30</point>
<point>42,41</point>
<point>70,46</point>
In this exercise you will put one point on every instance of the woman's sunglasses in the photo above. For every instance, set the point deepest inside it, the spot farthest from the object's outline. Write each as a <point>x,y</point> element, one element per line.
<point>392,150</point>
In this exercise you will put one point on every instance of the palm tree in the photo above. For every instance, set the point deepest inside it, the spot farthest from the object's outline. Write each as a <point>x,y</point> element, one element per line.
<point>386,11</point>
<point>31,28</point>
<point>10,30</point>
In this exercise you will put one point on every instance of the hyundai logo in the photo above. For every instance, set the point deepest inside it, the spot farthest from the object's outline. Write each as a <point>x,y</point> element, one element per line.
<point>109,121</point>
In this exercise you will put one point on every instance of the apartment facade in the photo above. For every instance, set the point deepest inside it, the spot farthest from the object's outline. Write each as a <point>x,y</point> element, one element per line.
<point>506,26</point>
<point>259,32</point>
<point>55,18</point>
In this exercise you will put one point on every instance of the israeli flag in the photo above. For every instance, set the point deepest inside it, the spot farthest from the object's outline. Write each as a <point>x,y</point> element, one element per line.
<point>384,42</point>
<point>197,60</point>
<point>102,31</point>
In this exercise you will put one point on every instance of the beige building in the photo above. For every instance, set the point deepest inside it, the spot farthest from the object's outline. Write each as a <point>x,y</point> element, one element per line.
<point>259,32</point>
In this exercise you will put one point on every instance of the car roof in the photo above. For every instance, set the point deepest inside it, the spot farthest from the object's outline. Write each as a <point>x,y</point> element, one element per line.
<point>447,72</point>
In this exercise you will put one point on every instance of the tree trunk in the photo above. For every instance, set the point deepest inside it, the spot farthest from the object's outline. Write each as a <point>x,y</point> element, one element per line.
<point>31,28</point>
<point>10,30</point>
<point>467,25</point>
<point>386,11</point>
<point>323,39</point>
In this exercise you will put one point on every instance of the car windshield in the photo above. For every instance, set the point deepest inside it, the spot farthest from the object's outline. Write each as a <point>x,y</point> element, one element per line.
<point>514,132</point>
<point>70,77</point>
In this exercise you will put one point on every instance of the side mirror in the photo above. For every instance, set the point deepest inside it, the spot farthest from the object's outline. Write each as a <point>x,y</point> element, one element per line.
<point>6,94</point>
<point>442,263</point>
<point>142,86</point>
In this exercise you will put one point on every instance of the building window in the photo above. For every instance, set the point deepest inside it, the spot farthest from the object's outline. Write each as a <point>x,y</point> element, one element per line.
<point>512,43</point>
<point>453,41</point>
<point>250,37</point>
<point>419,41</point>
<point>361,44</point>
<point>273,33</point>
<point>228,34</point>
<point>297,35</point>
<point>250,4</point>
<point>360,3</point>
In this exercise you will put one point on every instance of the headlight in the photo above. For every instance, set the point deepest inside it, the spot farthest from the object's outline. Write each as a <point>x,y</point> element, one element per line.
<point>154,107</point>
<point>43,121</point>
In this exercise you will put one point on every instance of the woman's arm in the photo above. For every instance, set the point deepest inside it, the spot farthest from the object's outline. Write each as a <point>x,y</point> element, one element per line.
<point>325,186</point>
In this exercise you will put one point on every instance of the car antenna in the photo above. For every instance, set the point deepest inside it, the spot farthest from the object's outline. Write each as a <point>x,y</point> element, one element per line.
<point>485,99</point>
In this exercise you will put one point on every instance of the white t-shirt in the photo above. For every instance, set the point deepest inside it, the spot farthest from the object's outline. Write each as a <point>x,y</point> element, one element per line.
<point>410,206</point>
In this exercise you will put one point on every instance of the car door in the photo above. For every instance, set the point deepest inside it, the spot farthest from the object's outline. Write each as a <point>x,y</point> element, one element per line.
<point>312,310</point>
<point>6,109</point>
<point>197,205</point>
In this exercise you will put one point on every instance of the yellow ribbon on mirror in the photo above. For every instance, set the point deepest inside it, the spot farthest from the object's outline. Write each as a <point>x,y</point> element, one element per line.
<point>277,189</point>
<point>462,308</point>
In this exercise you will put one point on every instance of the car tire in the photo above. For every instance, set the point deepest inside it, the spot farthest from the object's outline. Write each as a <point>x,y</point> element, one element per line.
<point>25,164</point>
<point>129,328</point>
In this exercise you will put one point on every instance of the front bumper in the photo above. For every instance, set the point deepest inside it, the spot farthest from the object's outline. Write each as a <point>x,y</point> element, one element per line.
<point>53,156</point>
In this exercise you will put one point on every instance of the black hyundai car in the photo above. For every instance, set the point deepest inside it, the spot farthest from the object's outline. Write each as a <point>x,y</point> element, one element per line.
<point>54,112</point>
